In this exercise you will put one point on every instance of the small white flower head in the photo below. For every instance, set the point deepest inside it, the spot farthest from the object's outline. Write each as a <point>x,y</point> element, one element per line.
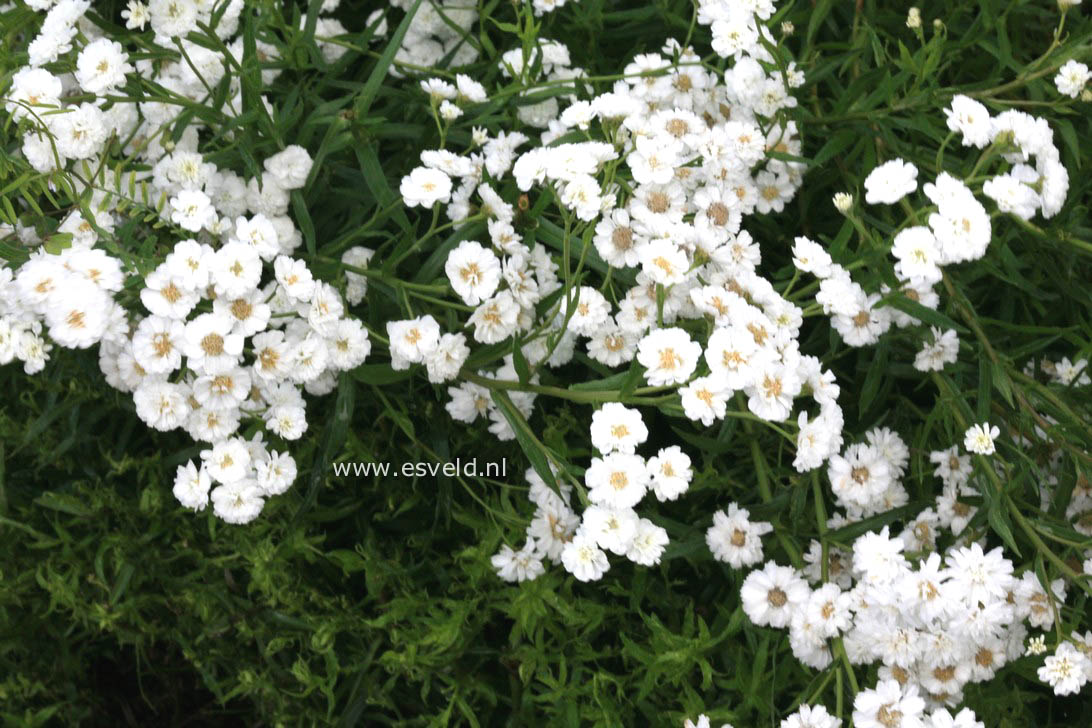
<point>157,344</point>
<point>1066,670</point>
<point>1036,645</point>
<point>734,539</point>
<point>612,528</point>
<point>101,66</point>
<point>943,349</point>
<point>260,233</point>
<point>192,210</point>
<point>647,545</point>
<point>518,566</point>
<point>496,319</point>
<point>412,340</point>
<point>843,202</point>
<point>663,261</point>
<point>1072,78</point>
<point>424,186</point>
<point>238,502</point>
<point>210,345</point>
<point>191,486</point>
<point>583,558</point>
<point>668,355</point>
<point>890,182</point>
<point>772,594</point>
<point>474,272</point>
<point>590,311</point>
<point>289,167</point>
<point>275,474</point>
<point>811,716</point>
<point>228,461</point>
<point>705,399</point>
<point>617,480</point>
<point>617,428</point>
<point>669,473</point>
<point>444,363</point>
<point>810,257</point>
<point>888,704</point>
<point>971,119</point>
<point>77,313</point>
<point>161,405</point>
<point>980,438</point>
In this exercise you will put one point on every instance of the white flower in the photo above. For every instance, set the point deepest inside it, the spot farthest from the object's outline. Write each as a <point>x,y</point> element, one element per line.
<point>811,257</point>
<point>474,272</point>
<point>971,119</point>
<point>167,295</point>
<point>647,545</point>
<point>228,461</point>
<point>496,319</point>
<point>1066,670</point>
<point>289,167</point>
<point>669,355</point>
<point>890,182</point>
<point>412,340</point>
<point>101,66</point>
<point>425,187</point>
<point>157,344</point>
<point>188,265</point>
<point>1071,78</point>
<point>209,344</point>
<point>348,345</point>
<point>771,394</point>
<point>135,15</point>
<point>980,438</point>
<point>887,705</point>
<point>772,594</point>
<point>224,391</point>
<point>918,255</point>
<point>518,566</point>
<point>669,473</point>
<point>734,539</point>
<point>705,399</point>
<point>615,427</point>
<point>584,559</point>
<point>287,421</point>
<point>192,210</point>
<point>238,502</point>
<point>617,480</point>
<point>663,261</point>
<point>943,349</point>
<point>77,314</point>
<point>590,311</point>
<point>191,486</point>
<point>259,233</point>
<point>160,404</point>
<point>276,474</point>
<point>809,716</point>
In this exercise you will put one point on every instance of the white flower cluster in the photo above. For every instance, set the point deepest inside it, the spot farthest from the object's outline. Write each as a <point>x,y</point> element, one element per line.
<point>1072,78</point>
<point>617,482</point>
<point>936,626</point>
<point>228,328</point>
<point>437,30</point>
<point>698,155</point>
<point>958,225</point>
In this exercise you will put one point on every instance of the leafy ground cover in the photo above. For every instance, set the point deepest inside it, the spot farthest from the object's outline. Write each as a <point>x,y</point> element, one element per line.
<point>350,598</point>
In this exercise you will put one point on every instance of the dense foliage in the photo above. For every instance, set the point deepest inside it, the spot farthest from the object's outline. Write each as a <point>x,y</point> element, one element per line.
<point>368,600</point>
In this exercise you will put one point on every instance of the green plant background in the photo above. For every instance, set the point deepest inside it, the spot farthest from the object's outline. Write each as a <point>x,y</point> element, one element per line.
<point>358,601</point>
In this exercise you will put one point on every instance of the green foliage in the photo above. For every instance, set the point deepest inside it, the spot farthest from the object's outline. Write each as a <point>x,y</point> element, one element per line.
<point>360,601</point>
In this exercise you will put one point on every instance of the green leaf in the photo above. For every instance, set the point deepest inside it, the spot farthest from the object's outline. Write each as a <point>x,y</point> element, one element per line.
<point>536,452</point>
